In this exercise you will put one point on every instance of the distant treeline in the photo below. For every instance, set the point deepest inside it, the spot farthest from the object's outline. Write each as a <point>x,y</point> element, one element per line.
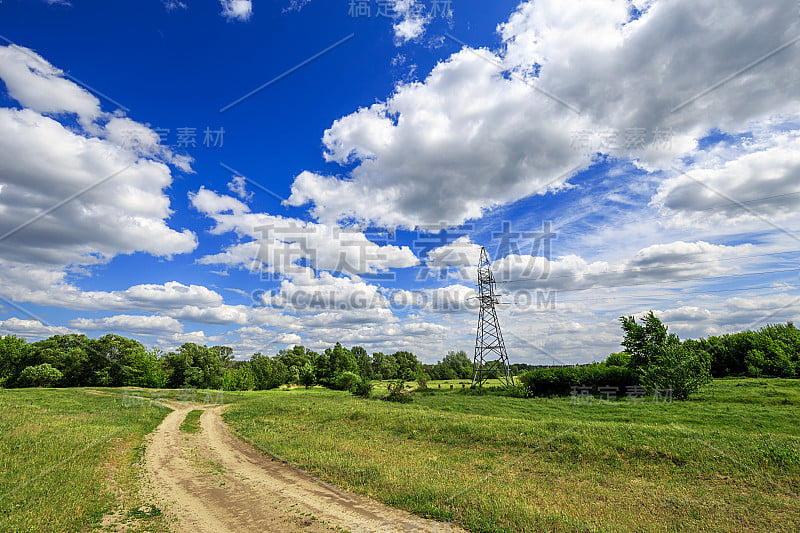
<point>115,361</point>
<point>773,350</point>
<point>654,359</point>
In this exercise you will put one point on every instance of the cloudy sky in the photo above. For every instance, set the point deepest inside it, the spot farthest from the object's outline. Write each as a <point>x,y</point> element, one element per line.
<point>274,172</point>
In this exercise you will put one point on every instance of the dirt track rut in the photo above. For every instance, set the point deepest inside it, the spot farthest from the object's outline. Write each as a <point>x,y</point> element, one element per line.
<point>212,481</point>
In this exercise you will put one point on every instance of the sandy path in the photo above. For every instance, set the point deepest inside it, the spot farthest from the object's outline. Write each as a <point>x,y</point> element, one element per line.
<point>212,481</point>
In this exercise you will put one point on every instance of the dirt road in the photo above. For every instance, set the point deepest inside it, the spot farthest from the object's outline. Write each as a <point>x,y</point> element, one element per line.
<point>211,481</point>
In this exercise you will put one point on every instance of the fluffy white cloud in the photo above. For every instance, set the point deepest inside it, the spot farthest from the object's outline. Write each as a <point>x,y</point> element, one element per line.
<point>721,189</point>
<point>411,20</point>
<point>237,187</point>
<point>31,328</point>
<point>236,9</point>
<point>72,198</point>
<point>566,69</point>
<point>658,263</point>
<point>144,325</point>
<point>38,85</point>
<point>277,243</point>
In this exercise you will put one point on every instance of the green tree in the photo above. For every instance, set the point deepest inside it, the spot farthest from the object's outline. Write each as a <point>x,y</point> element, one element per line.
<point>347,381</point>
<point>661,361</point>
<point>460,363</point>
<point>622,359</point>
<point>363,362</point>
<point>13,351</point>
<point>407,365</point>
<point>384,366</point>
<point>675,367</point>
<point>307,377</point>
<point>341,360</point>
<point>642,341</point>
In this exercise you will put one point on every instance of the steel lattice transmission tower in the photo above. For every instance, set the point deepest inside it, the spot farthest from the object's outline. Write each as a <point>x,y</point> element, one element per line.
<point>491,359</point>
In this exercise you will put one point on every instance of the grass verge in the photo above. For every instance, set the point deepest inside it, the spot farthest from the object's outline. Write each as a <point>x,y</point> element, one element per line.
<point>191,424</point>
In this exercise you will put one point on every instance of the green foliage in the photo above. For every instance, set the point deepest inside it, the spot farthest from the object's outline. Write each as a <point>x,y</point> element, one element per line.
<point>362,389</point>
<point>307,377</point>
<point>454,365</point>
<point>363,362</point>
<point>12,352</point>
<point>773,350</point>
<point>42,375</point>
<point>346,381</point>
<point>642,341</point>
<point>675,367</point>
<point>238,378</point>
<point>268,373</point>
<point>422,379</point>
<point>622,359</point>
<point>661,361</point>
<point>384,366</point>
<point>397,392</point>
<point>559,380</point>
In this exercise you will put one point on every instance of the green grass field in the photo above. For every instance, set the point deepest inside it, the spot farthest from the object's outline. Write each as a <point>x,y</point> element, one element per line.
<point>727,460</point>
<point>67,457</point>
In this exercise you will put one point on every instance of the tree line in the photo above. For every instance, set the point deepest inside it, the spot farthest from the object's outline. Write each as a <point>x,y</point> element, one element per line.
<point>652,357</point>
<point>655,359</point>
<point>115,361</point>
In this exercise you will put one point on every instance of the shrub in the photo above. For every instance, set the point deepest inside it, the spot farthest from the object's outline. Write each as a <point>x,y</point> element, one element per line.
<point>362,389</point>
<point>345,381</point>
<point>622,359</point>
<point>677,368</point>
<point>559,381</point>
<point>43,375</point>
<point>397,392</point>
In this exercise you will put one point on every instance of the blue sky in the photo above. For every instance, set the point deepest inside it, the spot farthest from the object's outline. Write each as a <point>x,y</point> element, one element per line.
<point>347,197</point>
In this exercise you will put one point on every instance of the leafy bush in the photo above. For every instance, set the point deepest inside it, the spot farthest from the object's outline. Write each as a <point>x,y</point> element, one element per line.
<point>397,392</point>
<point>362,389</point>
<point>559,381</point>
<point>622,359</point>
<point>345,381</point>
<point>677,368</point>
<point>43,375</point>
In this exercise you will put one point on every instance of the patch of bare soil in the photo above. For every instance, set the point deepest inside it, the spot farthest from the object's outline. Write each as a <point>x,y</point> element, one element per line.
<point>212,481</point>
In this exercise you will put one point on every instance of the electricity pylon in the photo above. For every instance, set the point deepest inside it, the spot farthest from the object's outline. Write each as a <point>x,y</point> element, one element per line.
<point>491,359</point>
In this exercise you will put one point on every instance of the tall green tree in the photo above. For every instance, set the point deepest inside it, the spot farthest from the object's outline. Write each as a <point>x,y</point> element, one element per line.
<point>642,341</point>
<point>13,351</point>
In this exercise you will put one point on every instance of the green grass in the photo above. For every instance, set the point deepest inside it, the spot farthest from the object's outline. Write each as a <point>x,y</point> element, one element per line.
<point>191,424</point>
<point>727,460</point>
<point>68,456</point>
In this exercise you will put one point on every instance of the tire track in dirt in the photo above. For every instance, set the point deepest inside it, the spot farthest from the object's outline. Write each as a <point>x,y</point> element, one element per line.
<point>212,481</point>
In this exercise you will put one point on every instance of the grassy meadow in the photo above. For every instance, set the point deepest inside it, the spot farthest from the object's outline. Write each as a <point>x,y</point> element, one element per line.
<point>69,456</point>
<point>727,460</point>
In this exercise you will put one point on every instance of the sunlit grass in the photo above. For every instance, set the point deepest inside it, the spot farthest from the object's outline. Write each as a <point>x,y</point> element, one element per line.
<point>67,457</point>
<point>191,424</point>
<point>728,460</point>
